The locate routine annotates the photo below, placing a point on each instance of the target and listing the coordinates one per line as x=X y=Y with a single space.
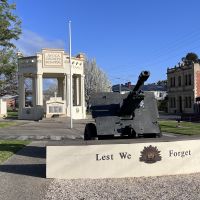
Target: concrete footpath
x=23 y=175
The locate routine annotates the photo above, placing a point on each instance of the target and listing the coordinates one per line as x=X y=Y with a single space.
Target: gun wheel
x=90 y=131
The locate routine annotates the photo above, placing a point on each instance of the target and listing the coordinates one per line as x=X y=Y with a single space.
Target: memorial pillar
x=78 y=91
x=39 y=89
x=65 y=87
x=83 y=94
x=33 y=92
x=61 y=87
x=21 y=92
x=68 y=90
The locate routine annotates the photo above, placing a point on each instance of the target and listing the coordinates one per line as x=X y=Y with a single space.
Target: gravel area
x=166 y=187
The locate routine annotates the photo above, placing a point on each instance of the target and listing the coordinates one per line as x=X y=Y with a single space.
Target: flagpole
x=70 y=65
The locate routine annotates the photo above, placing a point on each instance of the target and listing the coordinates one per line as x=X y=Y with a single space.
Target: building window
x=173 y=102
x=186 y=79
x=188 y=102
x=189 y=79
x=172 y=81
x=179 y=81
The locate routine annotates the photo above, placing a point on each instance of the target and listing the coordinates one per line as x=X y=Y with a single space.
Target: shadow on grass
x=36 y=170
x=11 y=147
x=29 y=151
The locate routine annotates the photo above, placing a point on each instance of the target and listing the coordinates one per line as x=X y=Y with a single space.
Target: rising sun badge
x=150 y=154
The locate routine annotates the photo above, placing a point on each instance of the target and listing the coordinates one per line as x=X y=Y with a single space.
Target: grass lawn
x=9 y=147
x=186 y=128
x=12 y=114
x=7 y=124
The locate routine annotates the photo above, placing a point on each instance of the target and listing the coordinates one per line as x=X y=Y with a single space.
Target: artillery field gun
x=126 y=115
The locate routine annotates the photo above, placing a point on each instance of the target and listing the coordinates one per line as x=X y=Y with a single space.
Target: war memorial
x=52 y=63
x=127 y=117
x=123 y=140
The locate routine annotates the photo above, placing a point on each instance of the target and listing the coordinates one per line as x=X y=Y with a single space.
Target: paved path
x=46 y=129
x=23 y=175
x=53 y=129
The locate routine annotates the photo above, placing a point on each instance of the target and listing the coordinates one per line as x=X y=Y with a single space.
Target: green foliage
x=162 y=82
x=8 y=72
x=9 y=24
x=9 y=30
x=192 y=57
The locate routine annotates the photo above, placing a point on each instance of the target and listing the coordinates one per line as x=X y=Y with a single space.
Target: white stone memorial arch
x=52 y=63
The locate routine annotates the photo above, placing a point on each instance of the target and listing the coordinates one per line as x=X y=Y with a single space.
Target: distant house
x=121 y=88
x=11 y=100
x=160 y=91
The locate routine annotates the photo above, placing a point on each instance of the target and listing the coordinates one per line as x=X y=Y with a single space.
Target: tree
x=192 y=57
x=95 y=79
x=8 y=72
x=9 y=31
x=162 y=82
x=9 y=24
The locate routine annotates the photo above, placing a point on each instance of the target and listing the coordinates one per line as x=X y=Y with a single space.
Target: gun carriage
x=124 y=115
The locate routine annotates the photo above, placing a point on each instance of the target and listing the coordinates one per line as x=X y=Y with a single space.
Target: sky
x=124 y=36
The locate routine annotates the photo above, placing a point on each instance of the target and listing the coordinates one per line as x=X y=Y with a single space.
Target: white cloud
x=30 y=43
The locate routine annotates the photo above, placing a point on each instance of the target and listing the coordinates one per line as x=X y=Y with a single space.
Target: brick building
x=184 y=88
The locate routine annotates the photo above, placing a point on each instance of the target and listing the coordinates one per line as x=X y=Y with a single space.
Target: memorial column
x=78 y=91
x=39 y=89
x=21 y=92
x=83 y=95
x=33 y=92
x=68 y=90
x=60 y=87
x=65 y=88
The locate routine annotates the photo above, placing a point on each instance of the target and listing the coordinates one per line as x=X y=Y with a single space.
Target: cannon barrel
x=131 y=102
x=144 y=75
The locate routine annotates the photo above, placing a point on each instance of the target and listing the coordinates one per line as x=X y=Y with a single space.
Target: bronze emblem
x=150 y=154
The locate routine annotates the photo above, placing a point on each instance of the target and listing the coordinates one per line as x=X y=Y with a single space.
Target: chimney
x=129 y=84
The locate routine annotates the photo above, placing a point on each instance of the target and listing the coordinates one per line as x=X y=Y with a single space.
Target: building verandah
x=52 y=63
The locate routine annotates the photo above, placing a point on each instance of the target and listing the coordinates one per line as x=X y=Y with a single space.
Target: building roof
x=149 y=87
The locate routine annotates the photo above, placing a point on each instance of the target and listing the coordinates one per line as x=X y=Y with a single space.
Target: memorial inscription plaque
x=53 y=59
x=123 y=160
